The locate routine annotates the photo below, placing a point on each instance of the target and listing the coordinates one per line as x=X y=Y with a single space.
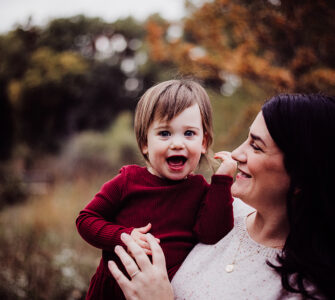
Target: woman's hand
x=149 y=281
x=228 y=165
x=138 y=234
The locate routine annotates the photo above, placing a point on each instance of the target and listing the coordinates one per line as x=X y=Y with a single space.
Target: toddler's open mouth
x=176 y=161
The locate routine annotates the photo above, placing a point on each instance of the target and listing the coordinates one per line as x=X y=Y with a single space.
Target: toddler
x=173 y=125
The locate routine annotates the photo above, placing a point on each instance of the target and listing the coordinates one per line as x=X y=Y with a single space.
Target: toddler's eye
x=164 y=133
x=189 y=133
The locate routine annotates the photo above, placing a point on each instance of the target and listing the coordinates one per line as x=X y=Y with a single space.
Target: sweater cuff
x=222 y=179
x=127 y=230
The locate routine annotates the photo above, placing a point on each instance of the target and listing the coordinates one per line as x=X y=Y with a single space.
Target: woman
x=282 y=245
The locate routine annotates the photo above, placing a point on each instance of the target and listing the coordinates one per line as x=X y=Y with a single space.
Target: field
x=42 y=256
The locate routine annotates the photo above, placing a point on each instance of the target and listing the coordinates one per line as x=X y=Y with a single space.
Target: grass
x=42 y=256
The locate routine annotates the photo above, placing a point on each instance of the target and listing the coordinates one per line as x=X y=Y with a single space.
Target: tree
x=287 y=45
x=74 y=74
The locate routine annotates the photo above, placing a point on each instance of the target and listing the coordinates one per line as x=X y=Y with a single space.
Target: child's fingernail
x=117 y=248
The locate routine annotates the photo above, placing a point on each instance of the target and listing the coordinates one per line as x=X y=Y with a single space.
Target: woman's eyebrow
x=257 y=138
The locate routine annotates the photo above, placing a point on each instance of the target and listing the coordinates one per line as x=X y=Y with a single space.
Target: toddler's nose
x=177 y=144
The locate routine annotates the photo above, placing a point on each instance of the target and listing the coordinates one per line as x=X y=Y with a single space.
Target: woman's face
x=262 y=181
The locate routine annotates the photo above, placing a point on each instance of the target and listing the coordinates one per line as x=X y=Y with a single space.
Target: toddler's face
x=174 y=148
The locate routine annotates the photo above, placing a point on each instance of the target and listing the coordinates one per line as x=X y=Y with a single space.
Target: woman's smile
x=241 y=175
x=261 y=177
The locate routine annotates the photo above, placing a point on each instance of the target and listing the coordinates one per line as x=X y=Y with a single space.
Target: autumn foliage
x=287 y=45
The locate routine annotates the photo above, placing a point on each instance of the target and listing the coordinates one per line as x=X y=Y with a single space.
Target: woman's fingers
x=158 y=257
x=136 y=251
x=121 y=279
x=143 y=244
x=144 y=238
x=117 y=274
x=146 y=248
x=149 y=281
x=126 y=260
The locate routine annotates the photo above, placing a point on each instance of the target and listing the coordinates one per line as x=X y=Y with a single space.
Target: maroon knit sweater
x=182 y=213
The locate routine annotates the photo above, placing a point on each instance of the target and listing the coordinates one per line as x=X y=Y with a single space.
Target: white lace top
x=203 y=274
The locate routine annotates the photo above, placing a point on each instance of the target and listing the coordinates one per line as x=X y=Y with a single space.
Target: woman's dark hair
x=303 y=127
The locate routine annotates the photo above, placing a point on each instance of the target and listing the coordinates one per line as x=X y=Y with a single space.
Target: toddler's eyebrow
x=192 y=128
x=160 y=127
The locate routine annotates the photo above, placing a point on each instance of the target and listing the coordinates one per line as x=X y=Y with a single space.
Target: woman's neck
x=270 y=230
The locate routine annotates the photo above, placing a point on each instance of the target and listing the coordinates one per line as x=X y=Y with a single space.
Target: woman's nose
x=239 y=154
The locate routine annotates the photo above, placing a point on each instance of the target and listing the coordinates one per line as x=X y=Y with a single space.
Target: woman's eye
x=255 y=147
x=189 y=133
x=164 y=133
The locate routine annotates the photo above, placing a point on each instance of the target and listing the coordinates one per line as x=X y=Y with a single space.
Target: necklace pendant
x=229 y=268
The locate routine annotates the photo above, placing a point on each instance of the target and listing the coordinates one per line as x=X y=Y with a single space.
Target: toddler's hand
x=228 y=166
x=138 y=234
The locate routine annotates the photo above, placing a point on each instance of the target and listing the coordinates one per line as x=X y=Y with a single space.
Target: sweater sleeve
x=94 y=222
x=215 y=217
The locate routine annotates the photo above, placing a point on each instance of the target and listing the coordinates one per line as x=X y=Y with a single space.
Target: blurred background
x=71 y=74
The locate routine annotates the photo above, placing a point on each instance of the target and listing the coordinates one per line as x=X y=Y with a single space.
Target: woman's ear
x=204 y=144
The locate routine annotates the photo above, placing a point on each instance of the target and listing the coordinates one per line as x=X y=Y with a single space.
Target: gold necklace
x=230 y=267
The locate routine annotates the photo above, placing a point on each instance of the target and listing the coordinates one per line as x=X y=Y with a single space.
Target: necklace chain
x=230 y=267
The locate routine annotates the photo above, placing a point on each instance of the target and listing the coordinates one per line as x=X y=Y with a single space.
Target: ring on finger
x=135 y=273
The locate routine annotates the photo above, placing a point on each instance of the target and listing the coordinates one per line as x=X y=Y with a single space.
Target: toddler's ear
x=204 y=144
x=145 y=150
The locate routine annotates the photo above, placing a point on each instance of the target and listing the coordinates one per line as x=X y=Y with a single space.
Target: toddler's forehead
x=163 y=118
x=166 y=113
